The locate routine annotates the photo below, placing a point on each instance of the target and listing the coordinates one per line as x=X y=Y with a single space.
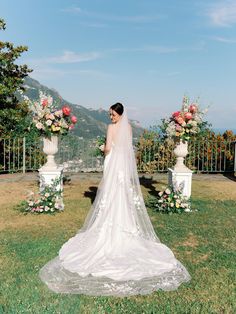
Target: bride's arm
x=108 y=140
x=130 y=128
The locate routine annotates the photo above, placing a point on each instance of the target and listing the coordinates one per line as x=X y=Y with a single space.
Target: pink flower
x=50 y=116
x=176 y=114
x=71 y=126
x=193 y=108
x=66 y=110
x=178 y=127
x=73 y=119
x=180 y=120
x=44 y=102
x=188 y=115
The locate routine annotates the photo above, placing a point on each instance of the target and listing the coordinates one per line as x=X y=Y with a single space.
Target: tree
x=13 y=108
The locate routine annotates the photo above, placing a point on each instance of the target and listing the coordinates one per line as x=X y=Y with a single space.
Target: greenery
x=203 y=241
x=101 y=140
x=48 y=200
x=13 y=112
x=170 y=200
x=209 y=151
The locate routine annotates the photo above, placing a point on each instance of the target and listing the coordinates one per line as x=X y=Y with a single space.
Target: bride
x=116 y=252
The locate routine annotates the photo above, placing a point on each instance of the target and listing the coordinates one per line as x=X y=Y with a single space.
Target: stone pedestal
x=47 y=176
x=184 y=177
x=50 y=148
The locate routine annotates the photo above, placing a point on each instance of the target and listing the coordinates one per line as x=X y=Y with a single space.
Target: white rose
x=49 y=122
x=39 y=125
x=167 y=191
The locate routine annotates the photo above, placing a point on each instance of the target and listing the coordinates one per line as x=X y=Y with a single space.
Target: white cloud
x=133 y=19
x=225 y=40
x=114 y=18
x=174 y=73
x=155 y=49
x=223 y=13
x=94 y=25
x=72 y=10
x=66 y=58
x=72 y=57
x=47 y=72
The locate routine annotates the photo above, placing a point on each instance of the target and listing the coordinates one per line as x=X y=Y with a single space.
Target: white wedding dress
x=117 y=251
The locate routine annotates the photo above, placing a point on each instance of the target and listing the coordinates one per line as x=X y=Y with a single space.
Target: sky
x=146 y=54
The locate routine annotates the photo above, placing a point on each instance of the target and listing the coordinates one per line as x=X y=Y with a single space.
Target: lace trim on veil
x=59 y=280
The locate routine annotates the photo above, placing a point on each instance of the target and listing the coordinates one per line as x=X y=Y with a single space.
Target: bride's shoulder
x=110 y=129
x=110 y=126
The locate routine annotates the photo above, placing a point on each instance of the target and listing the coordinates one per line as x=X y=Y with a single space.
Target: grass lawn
x=204 y=241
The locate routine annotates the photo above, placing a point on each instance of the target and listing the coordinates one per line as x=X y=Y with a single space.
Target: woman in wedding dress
x=116 y=252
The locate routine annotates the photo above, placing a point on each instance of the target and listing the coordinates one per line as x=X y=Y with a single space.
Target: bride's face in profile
x=114 y=116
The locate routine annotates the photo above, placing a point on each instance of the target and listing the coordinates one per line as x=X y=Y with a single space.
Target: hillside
x=91 y=122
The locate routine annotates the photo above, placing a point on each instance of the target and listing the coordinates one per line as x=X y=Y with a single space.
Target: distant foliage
x=207 y=152
x=212 y=151
x=13 y=112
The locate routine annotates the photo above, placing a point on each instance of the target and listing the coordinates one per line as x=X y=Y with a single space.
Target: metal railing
x=79 y=155
x=20 y=155
x=213 y=156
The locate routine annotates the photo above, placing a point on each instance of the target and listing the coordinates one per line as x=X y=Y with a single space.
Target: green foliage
x=208 y=151
x=146 y=150
x=169 y=201
x=101 y=140
x=48 y=200
x=13 y=112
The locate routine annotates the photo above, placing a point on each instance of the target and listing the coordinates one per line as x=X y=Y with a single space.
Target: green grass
x=202 y=241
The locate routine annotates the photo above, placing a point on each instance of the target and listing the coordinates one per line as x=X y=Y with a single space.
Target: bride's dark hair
x=118 y=107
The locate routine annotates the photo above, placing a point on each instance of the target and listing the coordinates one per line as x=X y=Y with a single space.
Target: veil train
x=117 y=251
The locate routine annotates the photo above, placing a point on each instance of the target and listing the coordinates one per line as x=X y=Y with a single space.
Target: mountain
x=91 y=122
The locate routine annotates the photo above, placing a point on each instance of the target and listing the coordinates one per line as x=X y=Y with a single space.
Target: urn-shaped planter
x=181 y=151
x=50 y=148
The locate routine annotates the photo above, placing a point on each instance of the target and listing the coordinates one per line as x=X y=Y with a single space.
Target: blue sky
x=144 y=53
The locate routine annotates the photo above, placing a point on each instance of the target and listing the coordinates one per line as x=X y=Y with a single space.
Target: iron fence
x=213 y=156
x=79 y=155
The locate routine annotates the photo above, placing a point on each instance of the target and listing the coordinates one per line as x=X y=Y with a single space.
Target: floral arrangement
x=49 y=120
x=48 y=200
x=184 y=123
x=171 y=200
x=100 y=142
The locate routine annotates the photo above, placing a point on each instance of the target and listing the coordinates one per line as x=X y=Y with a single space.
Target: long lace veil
x=127 y=241
x=121 y=169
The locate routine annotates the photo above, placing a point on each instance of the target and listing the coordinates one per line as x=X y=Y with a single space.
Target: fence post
x=23 y=155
